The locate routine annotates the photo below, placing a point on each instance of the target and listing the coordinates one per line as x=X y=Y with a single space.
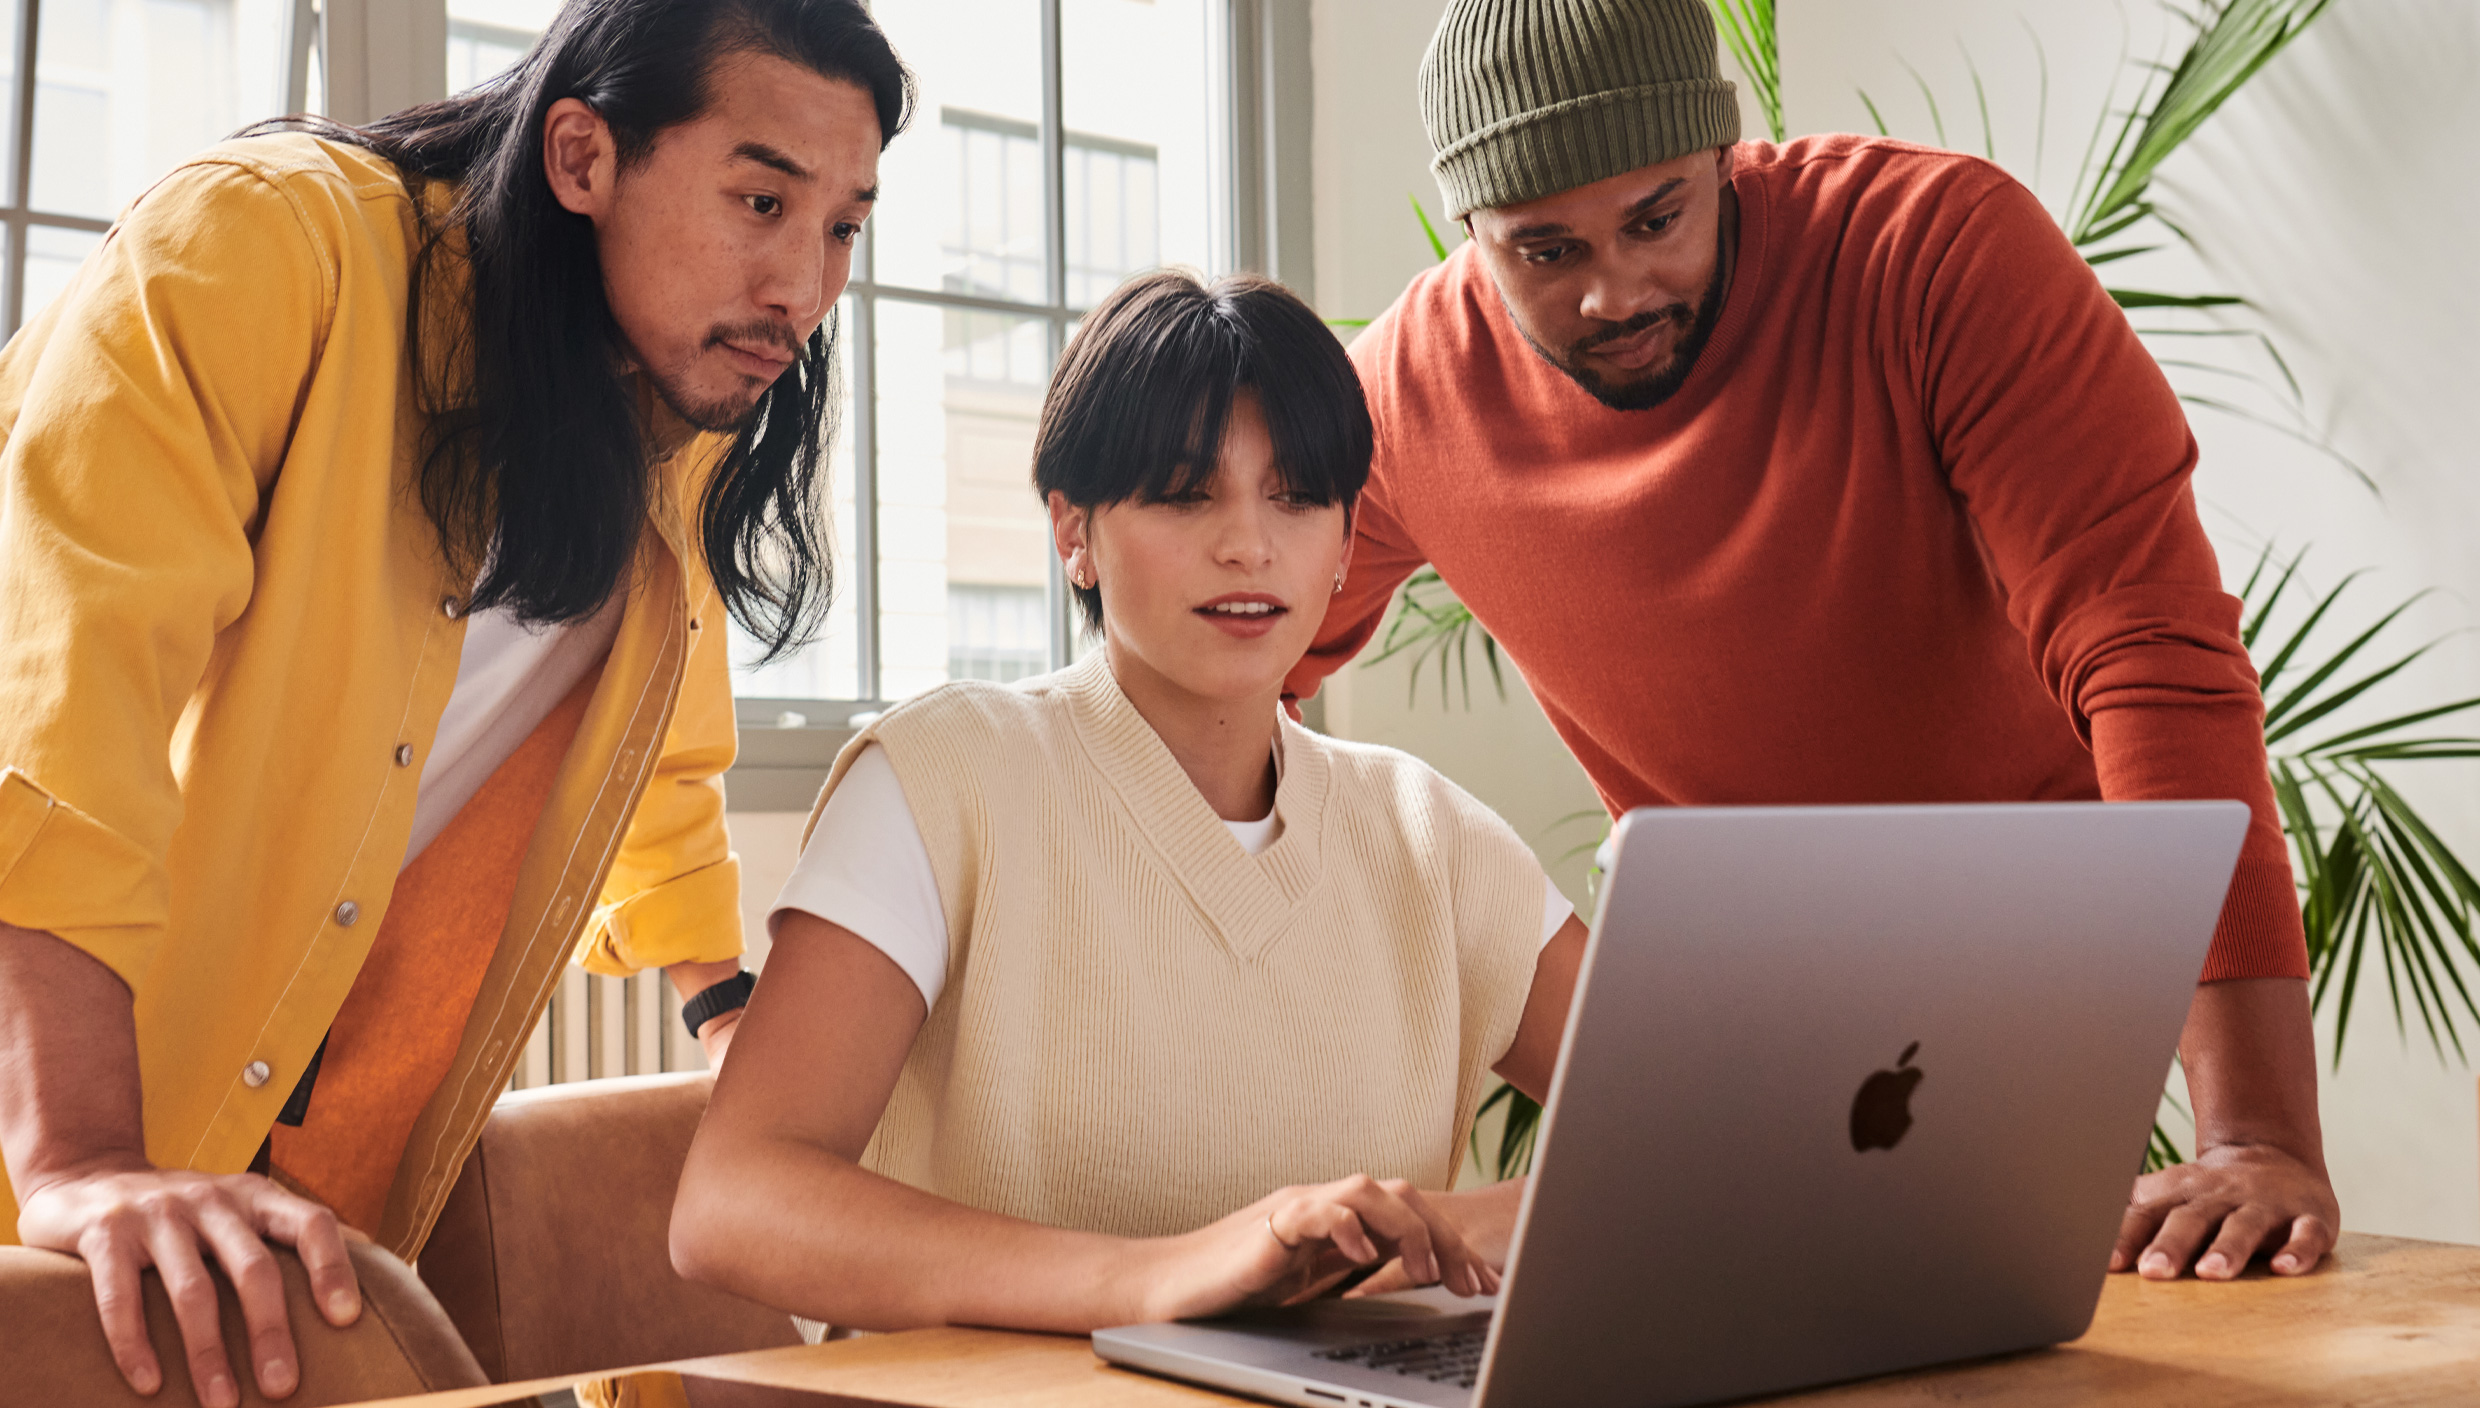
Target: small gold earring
x=1078 y=577
x=1338 y=586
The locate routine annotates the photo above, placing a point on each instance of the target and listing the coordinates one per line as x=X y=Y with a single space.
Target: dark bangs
x=1137 y=408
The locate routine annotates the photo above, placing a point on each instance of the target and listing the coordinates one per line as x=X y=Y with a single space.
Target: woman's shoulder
x=1415 y=797
x=973 y=723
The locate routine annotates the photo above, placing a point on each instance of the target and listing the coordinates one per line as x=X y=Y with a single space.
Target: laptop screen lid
x=1851 y=1090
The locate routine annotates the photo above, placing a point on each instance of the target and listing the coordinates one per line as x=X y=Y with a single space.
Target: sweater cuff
x=2260 y=934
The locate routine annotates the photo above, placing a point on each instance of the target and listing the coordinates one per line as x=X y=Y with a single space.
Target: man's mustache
x=757 y=330
x=1679 y=313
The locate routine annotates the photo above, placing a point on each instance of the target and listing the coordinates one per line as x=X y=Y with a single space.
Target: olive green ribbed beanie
x=1527 y=98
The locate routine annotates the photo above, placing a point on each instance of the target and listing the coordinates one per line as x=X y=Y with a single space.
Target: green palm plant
x=2110 y=215
x=2378 y=890
x=1747 y=29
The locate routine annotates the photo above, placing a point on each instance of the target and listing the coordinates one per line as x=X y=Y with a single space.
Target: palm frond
x=2264 y=344
x=1980 y=95
x=2162 y=1152
x=2234 y=39
x=2134 y=298
x=2381 y=895
x=2040 y=118
x=2164 y=1149
x=1937 y=121
x=1432 y=626
x=2309 y=438
x=2088 y=169
x=1437 y=245
x=1514 y=1157
x=2261 y=608
x=1748 y=31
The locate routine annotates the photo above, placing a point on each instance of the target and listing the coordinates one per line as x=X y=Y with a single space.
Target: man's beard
x=1645 y=392
x=729 y=412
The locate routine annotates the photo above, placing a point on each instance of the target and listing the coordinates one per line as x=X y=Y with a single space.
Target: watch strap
x=730 y=994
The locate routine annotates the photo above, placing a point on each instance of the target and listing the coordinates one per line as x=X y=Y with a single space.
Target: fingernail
x=145 y=1378
x=2286 y=1262
x=2155 y=1261
x=339 y=1304
x=274 y=1377
x=2212 y=1265
x=220 y=1393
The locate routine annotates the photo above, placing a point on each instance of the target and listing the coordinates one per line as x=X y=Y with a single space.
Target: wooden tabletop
x=2385 y=1321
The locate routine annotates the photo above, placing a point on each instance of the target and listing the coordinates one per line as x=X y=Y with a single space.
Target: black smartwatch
x=729 y=995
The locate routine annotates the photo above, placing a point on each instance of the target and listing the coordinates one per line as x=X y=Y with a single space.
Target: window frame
x=18 y=213
x=1258 y=58
x=375 y=56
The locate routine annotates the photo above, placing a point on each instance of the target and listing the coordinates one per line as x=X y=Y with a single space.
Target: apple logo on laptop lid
x=1881 y=1114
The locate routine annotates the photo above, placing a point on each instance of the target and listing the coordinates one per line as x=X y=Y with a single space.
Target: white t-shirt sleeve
x=866 y=868
x=1554 y=910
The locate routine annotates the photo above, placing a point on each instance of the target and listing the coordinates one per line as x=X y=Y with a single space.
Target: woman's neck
x=1225 y=746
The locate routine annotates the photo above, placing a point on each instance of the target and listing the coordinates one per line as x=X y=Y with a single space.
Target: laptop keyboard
x=1442 y=1359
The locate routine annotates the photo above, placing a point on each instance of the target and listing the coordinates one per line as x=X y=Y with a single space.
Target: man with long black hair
x=371 y=506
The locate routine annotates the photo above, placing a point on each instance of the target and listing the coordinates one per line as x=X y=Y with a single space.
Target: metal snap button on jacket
x=347 y=912
x=254 y=1074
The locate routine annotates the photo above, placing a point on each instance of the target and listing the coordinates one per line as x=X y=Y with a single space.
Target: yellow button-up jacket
x=226 y=637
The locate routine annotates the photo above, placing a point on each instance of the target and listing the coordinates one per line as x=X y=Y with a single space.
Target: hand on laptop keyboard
x=1485 y=1216
x=1296 y=1243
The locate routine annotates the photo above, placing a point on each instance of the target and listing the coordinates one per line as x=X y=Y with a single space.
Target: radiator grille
x=596 y=1026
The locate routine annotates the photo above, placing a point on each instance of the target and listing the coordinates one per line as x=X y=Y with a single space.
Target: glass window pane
x=960 y=203
x=125 y=89
x=13 y=14
x=52 y=259
x=487 y=37
x=830 y=667
x=964 y=546
x=1134 y=99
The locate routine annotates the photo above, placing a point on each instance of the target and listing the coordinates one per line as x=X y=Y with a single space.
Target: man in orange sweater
x=1827 y=473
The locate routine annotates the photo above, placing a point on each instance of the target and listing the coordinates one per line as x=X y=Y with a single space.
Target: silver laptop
x=1845 y=1090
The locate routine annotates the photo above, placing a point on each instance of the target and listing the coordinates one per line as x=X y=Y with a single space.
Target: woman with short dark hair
x=1115 y=995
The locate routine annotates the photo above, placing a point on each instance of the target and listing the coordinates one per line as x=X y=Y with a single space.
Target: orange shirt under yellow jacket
x=226 y=637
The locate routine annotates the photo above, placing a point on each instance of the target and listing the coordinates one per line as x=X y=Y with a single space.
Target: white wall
x=1368 y=157
x=2334 y=193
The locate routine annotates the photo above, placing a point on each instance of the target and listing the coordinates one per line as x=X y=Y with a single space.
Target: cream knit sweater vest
x=1143 y=1026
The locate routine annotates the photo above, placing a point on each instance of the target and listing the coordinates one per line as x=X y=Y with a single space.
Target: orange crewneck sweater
x=1917 y=528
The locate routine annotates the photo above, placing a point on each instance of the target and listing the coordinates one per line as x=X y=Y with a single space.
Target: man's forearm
x=2249 y=1052
x=690 y=979
x=69 y=1094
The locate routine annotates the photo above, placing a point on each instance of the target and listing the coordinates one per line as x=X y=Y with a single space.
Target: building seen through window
x=959 y=304
x=996 y=365
x=959 y=308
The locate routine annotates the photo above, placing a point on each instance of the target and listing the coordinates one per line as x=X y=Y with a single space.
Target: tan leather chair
x=553 y=1254
x=52 y=1350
